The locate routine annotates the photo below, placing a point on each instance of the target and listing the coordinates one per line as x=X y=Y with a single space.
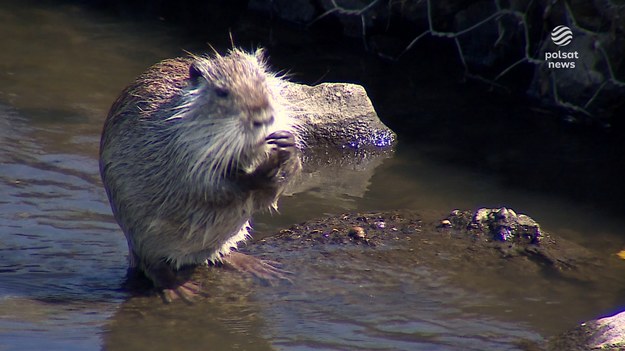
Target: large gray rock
x=600 y=334
x=343 y=139
x=338 y=116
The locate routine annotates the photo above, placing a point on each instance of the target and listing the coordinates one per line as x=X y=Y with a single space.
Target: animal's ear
x=194 y=71
x=261 y=55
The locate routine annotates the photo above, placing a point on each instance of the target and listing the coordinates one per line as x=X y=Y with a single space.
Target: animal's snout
x=261 y=118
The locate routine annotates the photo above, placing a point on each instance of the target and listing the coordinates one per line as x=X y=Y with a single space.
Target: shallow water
x=62 y=256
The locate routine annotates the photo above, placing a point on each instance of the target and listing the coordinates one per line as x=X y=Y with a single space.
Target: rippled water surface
x=63 y=257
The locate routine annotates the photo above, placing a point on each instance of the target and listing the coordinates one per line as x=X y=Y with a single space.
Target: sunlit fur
x=172 y=146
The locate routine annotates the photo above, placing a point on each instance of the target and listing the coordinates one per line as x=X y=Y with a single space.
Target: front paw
x=283 y=143
x=277 y=165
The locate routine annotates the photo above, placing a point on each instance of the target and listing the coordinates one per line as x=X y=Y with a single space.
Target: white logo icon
x=561 y=35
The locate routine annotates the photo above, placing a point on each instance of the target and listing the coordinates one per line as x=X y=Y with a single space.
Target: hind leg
x=172 y=284
x=262 y=269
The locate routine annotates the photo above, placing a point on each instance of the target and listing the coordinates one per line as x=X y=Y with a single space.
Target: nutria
x=189 y=152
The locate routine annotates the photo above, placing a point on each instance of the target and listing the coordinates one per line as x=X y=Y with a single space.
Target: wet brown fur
x=178 y=149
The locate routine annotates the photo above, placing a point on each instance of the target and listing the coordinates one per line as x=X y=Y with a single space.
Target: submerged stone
x=501 y=224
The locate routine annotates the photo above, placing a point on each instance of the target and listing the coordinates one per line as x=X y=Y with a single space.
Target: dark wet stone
x=370 y=229
x=498 y=224
x=480 y=237
x=511 y=233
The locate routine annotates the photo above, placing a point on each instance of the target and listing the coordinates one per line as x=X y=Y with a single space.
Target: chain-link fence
x=498 y=39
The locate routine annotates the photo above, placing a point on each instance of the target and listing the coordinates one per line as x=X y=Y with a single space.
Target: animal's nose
x=260 y=120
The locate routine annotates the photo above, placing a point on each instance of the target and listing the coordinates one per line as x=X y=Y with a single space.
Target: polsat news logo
x=561 y=36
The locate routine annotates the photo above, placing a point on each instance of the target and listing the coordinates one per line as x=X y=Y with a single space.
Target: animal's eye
x=222 y=92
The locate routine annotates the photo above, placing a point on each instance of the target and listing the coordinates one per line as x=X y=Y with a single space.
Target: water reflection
x=60 y=265
x=388 y=298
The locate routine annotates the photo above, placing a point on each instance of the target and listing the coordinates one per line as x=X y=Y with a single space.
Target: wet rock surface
x=363 y=229
x=485 y=234
x=337 y=116
x=510 y=233
x=601 y=334
x=500 y=224
x=343 y=139
x=478 y=250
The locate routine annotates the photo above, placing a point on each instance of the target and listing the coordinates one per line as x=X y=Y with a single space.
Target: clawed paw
x=281 y=138
x=173 y=284
x=185 y=292
x=284 y=143
x=262 y=269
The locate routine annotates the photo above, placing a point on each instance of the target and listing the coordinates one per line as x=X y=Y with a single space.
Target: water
x=62 y=256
